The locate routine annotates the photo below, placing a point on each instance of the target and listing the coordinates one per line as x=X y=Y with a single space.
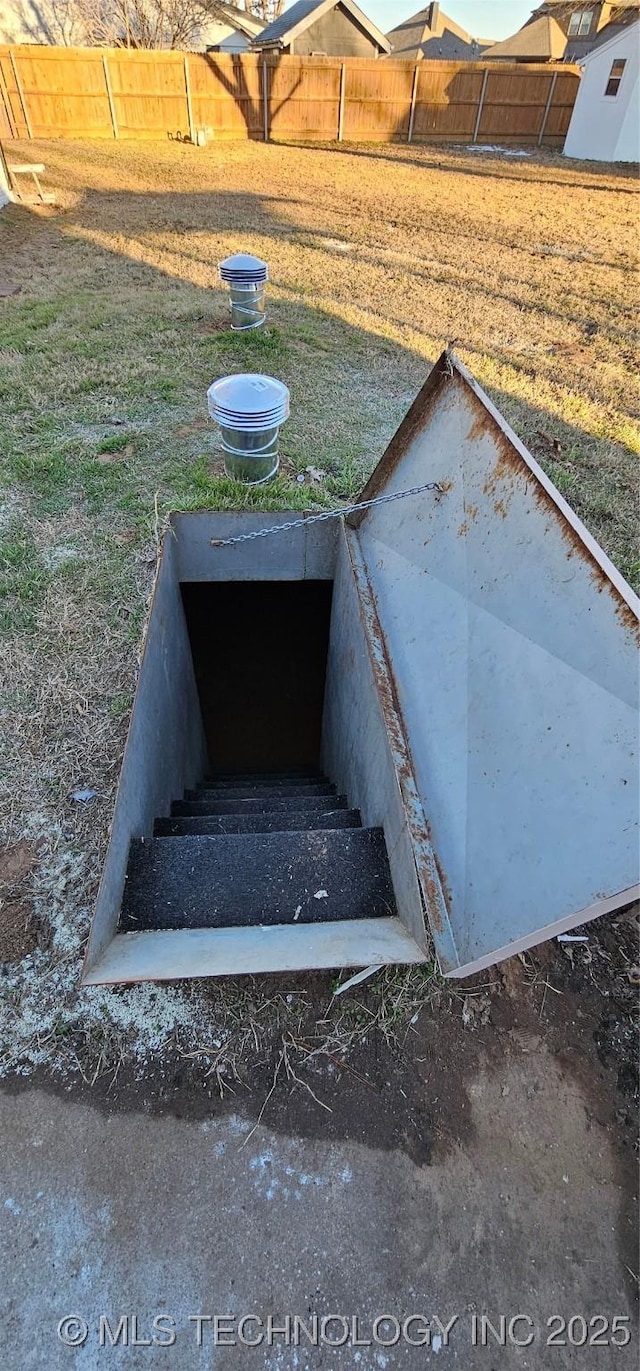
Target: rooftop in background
x=241 y=19
x=566 y=30
x=325 y=27
x=542 y=40
x=432 y=35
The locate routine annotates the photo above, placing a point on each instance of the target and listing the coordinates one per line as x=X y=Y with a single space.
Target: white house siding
x=4 y=188
x=628 y=149
x=38 y=21
x=222 y=36
x=605 y=128
x=236 y=42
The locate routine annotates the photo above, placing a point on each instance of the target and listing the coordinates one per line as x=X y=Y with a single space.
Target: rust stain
x=509 y=465
x=392 y=715
x=483 y=423
x=463 y=530
x=628 y=619
x=576 y=547
x=432 y=893
x=412 y=426
x=446 y=888
x=471 y=512
x=509 y=462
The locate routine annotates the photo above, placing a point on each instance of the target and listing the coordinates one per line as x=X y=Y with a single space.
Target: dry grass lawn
x=379 y=257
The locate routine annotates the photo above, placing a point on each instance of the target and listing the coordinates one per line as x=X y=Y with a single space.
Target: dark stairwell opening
x=263 y=838
x=260 y=657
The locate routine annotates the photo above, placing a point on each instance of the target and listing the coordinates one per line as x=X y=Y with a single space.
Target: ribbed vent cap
x=243 y=269
x=248 y=402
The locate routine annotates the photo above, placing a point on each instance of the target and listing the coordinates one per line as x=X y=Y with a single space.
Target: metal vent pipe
x=246 y=278
x=249 y=411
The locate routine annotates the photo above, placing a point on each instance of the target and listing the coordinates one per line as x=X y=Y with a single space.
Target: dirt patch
x=395 y=1071
x=219 y=324
x=18 y=931
x=196 y=426
x=16 y=863
x=18 y=925
x=115 y=455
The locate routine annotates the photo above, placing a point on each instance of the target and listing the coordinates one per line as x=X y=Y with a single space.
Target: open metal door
x=512 y=641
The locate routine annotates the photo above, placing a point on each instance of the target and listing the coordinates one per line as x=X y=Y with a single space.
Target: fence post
x=343 y=79
x=187 y=86
x=412 y=112
x=552 y=91
x=112 y=108
x=20 y=93
x=265 y=98
x=481 y=104
x=6 y=104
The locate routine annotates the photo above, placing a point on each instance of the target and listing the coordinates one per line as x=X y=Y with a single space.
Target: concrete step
x=242 y=880
x=274 y=778
x=255 y=792
x=257 y=805
x=282 y=821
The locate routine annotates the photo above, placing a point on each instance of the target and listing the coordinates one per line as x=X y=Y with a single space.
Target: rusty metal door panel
x=513 y=645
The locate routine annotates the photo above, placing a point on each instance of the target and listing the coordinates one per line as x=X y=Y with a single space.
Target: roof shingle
x=287 y=21
x=541 y=39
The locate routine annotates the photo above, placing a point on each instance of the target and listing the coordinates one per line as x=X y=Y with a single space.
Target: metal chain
x=328 y=514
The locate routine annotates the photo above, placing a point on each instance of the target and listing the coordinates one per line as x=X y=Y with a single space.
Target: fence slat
x=552 y=91
x=107 y=82
x=265 y=98
x=20 y=93
x=7 y=125
x=187 y=87
x=412 y=111
x=133 y=93
x=480 y=105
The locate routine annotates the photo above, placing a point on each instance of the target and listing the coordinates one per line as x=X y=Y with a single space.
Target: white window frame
x=621 y=62
x=577 y=27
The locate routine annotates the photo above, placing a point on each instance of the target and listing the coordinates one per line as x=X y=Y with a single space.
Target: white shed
x=5 y=193
x=605 y=124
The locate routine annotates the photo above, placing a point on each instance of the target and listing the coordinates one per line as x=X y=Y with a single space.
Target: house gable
x=335 y=23
x=335 y=34
x=431 y=34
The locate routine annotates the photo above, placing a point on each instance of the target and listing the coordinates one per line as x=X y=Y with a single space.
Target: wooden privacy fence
x=114 y=92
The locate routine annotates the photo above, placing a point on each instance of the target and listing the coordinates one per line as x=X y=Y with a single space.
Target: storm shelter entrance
x=259 y=652
x=347 y=740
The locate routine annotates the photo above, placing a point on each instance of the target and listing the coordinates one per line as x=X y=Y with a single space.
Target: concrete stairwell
x=257 y=849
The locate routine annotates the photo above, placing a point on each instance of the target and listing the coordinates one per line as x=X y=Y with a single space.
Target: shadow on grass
x=489 y=166
x=104 y=395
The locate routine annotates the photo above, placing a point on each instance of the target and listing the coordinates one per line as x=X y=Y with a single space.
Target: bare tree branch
x=265 y=9
x=131 y=23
